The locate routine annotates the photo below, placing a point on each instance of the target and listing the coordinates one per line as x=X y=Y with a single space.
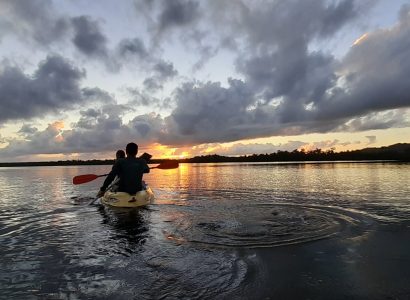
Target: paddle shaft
x=80 y=179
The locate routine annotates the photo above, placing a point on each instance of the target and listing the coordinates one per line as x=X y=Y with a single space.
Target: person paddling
x=114 y=185
x=119 y=154
x=129 y=170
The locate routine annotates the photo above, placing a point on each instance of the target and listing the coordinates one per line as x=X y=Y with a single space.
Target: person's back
x=130 y=171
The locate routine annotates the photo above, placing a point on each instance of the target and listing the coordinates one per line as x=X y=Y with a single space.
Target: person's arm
x=109 y=179
x=146 y=168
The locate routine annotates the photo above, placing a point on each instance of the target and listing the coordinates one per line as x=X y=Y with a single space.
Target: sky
x=80 y=79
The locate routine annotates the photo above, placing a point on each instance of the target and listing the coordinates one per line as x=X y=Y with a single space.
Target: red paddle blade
x=84 y=178
x=168 y=164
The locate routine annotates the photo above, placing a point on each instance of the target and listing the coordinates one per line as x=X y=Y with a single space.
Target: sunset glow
x=360 y=39
x=76 y=84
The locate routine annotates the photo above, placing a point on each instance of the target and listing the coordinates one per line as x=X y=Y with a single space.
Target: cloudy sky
x=80 y=78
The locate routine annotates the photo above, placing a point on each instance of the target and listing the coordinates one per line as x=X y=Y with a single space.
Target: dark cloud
x=38 y=21
x=336 y=15
x=106 y=116
x=374 y=74
x=209 y=112
x=206 y=53
x=132 y=47
x=96 y=95
x=34 y=20
x=27 y=130
x=289 y=89
x=88 y=37
x=177 y=13
x=142 y=98
x=285 y=87
x=151 y=84
x=91 y=112
x=55 y=85
x=377 y=120
x=40 y=142
x=165 y=70
x=278 y=61
x=133 y=52
x=97 y=131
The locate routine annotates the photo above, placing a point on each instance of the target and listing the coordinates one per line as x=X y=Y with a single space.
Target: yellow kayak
x=121 y=199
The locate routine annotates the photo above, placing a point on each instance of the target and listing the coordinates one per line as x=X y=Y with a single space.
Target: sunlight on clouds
x=226 y=78
x=161 y=151
x=58 y=126
x=360 y=39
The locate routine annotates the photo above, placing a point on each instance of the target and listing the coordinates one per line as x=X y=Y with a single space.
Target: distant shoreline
x=393 y=153
x=85 y=163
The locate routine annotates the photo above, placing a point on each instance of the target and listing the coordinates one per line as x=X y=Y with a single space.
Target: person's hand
x=146 y=156
x=100 y=193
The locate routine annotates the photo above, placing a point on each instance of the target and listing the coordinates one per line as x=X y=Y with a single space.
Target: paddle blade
x=80 y=179
x=168 y=164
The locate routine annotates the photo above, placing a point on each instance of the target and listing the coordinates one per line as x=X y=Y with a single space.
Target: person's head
x=120 y=154
x=131 y=149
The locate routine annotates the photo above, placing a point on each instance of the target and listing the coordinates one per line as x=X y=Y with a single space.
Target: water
x=215 y=231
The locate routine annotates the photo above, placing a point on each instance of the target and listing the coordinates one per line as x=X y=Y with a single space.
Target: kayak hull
x=121 y=199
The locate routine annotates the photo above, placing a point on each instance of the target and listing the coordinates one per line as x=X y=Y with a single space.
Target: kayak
x=121 y=199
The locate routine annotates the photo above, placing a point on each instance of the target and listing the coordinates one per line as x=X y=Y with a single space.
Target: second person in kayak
x=129 y=170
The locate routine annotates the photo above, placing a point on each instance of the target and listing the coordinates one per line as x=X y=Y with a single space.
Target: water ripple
x=259 y=225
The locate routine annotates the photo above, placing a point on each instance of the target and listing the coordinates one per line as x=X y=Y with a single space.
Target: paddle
x=80 y=179
x=165 y=165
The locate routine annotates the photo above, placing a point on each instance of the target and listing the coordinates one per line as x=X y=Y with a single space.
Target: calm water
x=215 y=231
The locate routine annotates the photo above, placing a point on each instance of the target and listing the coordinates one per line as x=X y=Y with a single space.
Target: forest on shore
x=396 y=152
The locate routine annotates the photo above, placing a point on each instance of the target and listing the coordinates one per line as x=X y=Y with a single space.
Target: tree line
x=397 y=152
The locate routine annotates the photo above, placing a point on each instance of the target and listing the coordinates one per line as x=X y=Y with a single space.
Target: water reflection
x=199 y=238
x=129 y=228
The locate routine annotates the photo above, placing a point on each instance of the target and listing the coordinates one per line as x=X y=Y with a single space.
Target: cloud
x=98 y=130
x=132 y=48
x=208 y=112
x=27 y=130
x=378 y=120
x=374 y=75
x=289 y=89
x=177 y=13
x=151 y=84
x=39 y=22
x=97 y=95
x=281 y=85
x=164 y=71
x=371 y=139
x=88 y=37
x=55 y=85
x=90 y=40
x=3 y=140
x=39 y=142
x=248 y=149
x=143 y=98
x=278 y=62
x=34 y=20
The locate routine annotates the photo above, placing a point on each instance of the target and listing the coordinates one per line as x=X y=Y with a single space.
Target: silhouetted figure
x=119 y=154
x=114 y=185
x=129 y=170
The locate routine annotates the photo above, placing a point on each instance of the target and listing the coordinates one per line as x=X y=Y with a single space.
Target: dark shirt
x=130 y=171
